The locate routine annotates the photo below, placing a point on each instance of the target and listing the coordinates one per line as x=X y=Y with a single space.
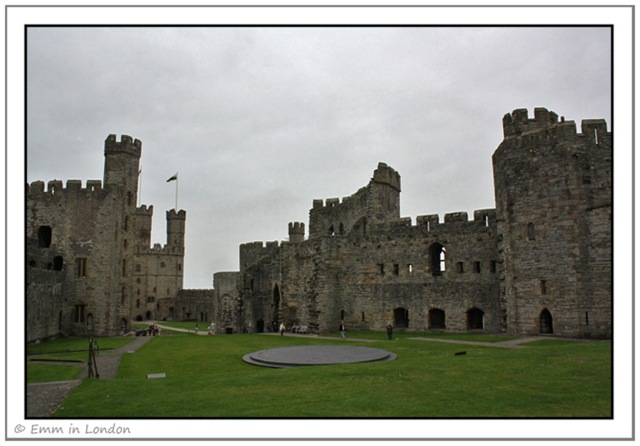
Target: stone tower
x=553 y=204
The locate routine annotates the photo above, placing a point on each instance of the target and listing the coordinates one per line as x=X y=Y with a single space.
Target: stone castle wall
x=540 y=262
x=553 y=198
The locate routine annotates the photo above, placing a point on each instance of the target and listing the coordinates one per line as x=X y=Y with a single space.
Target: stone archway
x=401 y=318
x=546 y=322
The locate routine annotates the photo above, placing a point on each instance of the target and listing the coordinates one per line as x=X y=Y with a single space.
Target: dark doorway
x=546 y=322
x=436 y=319
x=260 y=326
x=475 y=319
x=401 y=318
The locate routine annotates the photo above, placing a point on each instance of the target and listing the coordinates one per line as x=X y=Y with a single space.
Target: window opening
x=586 y=318
x=90 y=322
x=341 y=314
x=44 y=236
x=531 y=230
x=396 y=269
x=58 y=263
x=81 y=267
x=476 y=267
x=341 y=229
x=79 y=313
x=410 y=268
x=543 y=287
x=381 y=269
x=460 y=267
x=493 y=266
x=437 y=255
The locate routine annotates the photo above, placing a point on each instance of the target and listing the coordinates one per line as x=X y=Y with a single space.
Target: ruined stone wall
x=386 y=276
x=379 y=200
x=44 y=293
x=553 y=201
x=83 y=229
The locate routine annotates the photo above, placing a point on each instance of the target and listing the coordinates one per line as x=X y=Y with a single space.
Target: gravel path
x=43 y=399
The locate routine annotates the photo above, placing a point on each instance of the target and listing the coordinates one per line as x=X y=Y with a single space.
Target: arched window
x=90 y=322
x=437 y=259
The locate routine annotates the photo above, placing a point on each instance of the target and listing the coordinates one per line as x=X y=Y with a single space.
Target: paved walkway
x=43 y=399
x=514 y=343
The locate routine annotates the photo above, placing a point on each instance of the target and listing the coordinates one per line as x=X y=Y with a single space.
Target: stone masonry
x=539 y=263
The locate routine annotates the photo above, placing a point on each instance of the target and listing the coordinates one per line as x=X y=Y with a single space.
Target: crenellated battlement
x=296 y=231
x=517 y=123
x=126 y=145
x=454 y=220
x=173 y=215
x=143 y=210
x=56 y=187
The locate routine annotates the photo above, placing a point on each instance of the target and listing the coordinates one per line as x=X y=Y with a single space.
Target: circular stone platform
x=316 y=355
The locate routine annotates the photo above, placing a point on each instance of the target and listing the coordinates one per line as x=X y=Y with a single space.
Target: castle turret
x=122 y=164
x=384 y=200
x=553 y=207
x=296 y=232
x=176 y=230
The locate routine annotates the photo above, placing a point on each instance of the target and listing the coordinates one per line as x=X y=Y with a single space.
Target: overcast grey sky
x=260 y=121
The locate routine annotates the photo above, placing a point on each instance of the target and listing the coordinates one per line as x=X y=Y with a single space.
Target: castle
x=540 y=262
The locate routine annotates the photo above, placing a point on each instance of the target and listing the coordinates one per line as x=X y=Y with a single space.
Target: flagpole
x=177 y=194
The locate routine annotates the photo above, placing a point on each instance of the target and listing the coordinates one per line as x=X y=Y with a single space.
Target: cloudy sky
x=259 y=122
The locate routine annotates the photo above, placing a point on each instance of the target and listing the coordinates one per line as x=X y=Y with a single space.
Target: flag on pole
x=173 y=178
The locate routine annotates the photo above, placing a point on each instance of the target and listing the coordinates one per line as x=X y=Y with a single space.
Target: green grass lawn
x=206 y=377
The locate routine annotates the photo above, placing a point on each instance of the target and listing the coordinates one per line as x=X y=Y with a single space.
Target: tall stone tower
x=553 y=205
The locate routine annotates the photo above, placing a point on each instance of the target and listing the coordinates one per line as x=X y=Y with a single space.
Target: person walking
x=390 y=331
x=282 y=329
x=342 y=328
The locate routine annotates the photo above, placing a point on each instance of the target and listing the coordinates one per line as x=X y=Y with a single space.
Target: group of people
x=342 y=328
x=211 y=329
